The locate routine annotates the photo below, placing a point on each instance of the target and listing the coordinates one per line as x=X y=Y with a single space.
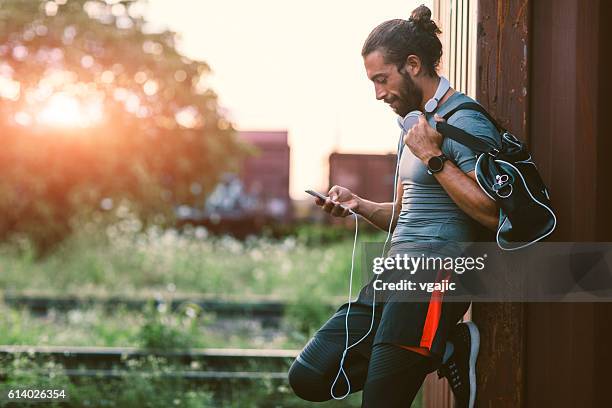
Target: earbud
x=443 y=87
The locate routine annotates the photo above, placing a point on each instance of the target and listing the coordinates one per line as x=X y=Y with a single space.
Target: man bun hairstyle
x=397 y=39
x=421 y=17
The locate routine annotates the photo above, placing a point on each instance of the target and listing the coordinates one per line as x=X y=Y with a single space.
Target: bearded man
x=395 y=344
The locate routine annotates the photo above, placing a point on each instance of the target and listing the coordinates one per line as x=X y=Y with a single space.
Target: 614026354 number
x=33 y=394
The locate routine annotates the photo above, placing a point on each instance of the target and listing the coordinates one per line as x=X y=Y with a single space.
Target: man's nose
x=380 y=91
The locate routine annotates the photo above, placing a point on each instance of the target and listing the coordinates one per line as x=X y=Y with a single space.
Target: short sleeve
x=476 y=124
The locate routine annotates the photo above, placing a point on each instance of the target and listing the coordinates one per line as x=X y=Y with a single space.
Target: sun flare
x=65 y=110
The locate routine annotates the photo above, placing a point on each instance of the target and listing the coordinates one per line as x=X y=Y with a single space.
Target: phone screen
x=316 y=194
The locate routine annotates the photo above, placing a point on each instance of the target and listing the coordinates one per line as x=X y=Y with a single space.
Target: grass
x=122 y=260
x=132 y=389
x=308 y=270
x=146 y=329
x=154 y=328
x=142 y=384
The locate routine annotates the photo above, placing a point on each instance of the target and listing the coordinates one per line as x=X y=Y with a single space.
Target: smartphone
x=317 y=194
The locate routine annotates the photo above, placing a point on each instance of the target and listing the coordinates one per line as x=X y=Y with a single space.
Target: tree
x=95 y=109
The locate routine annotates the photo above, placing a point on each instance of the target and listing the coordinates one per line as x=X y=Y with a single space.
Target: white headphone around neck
x=406 y=122
x=443 y=88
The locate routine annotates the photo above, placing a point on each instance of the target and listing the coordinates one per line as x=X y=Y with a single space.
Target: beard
x=410 y=96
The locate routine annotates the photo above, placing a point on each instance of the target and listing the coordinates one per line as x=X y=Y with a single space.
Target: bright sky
x=293 y=65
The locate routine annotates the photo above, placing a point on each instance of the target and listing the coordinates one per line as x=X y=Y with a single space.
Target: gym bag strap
x=476 y=107
x=463 y=137
x=508 y=175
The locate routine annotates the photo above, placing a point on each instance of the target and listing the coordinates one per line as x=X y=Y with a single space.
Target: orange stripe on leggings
x=434 y=311
x=420 y=350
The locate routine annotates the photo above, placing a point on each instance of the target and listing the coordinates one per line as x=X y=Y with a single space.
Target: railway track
x=269 y=313
x=196 y=365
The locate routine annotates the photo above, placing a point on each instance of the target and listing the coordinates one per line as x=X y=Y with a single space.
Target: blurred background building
x=265 y=176
x=258 y=194
x=367 y=175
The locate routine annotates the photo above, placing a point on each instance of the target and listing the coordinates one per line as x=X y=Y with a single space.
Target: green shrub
x=308 y=312
x=122 y=260
x=165 y=330
x=141 y=384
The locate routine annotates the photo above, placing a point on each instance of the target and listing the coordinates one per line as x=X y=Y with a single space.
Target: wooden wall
x=503 y=88
x=541 y=70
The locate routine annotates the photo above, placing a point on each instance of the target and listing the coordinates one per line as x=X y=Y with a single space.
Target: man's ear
x=413 y=65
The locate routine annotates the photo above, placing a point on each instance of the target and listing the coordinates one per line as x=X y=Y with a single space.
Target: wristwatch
x=436 y=164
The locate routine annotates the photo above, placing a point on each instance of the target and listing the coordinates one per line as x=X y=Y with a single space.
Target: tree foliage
x=95 y=108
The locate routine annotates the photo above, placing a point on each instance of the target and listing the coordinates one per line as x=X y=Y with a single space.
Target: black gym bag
x=509 y=176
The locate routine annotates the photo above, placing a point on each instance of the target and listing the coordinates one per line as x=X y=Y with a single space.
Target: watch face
x=435 y=164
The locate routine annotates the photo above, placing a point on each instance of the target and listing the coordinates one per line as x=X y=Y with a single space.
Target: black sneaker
x=460 y=368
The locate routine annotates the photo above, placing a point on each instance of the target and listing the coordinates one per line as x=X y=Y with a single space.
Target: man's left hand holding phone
x=338 y=202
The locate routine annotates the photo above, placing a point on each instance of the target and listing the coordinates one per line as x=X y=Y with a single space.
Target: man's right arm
x=341 y=199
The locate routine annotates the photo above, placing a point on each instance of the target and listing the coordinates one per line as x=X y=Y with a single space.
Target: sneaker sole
x=474 y=348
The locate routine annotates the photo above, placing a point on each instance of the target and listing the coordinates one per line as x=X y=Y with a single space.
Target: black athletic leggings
x=390 y=376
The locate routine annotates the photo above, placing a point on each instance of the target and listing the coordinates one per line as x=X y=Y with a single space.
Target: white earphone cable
x=431 y=106
x=347 y=347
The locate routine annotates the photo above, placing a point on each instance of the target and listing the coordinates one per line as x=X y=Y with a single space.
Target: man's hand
x=423 y=140
x=339 y=201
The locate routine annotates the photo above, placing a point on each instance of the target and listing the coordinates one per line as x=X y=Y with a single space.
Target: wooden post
x=541 y=72
x=568 y=345
x=503 y=88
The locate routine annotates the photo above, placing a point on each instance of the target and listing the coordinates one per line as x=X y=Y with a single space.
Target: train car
x=368 y=175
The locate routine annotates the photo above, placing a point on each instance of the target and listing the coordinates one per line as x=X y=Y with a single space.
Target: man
x=407 y=340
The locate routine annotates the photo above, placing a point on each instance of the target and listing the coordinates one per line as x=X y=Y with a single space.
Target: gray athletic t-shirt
x=428 y=213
